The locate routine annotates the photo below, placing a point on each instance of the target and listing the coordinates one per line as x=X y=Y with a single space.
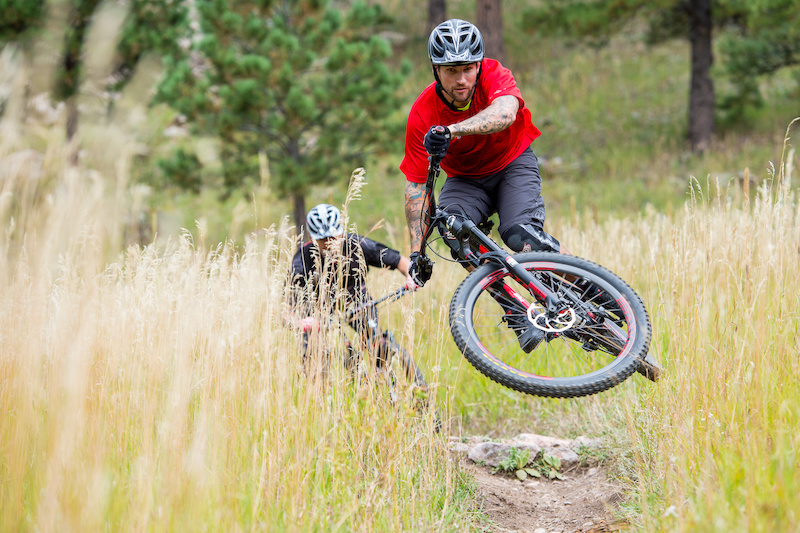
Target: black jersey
x=349 y=268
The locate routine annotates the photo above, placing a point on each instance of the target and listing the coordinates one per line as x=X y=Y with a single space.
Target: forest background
x=147 y=224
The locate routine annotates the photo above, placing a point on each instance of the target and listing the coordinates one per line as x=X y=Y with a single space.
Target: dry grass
x=162 y=391
x=712 y=447
x=157 y=388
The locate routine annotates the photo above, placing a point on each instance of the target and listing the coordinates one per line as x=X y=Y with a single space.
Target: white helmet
x=455 y=42
x=324 y=221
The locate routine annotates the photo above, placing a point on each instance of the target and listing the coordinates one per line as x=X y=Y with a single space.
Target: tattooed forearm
x=497 y=117
x=415 y=198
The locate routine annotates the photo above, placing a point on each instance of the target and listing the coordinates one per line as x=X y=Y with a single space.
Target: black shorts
x=514 y=193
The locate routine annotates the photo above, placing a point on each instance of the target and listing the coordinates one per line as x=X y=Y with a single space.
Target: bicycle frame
x=462 y=229
x=371 y=336
x=374 y=303
x=371 y=330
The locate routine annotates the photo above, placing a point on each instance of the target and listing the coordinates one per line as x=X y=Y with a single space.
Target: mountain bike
x=541 y=323
x=368 y=350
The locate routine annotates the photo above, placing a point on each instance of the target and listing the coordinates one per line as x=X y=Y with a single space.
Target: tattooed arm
x=415 y=197
x=500 y=114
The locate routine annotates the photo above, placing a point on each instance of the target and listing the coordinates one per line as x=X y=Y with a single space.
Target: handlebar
x=402 y=291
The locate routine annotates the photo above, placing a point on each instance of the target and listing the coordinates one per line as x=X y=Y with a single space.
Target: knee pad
x=530 y=238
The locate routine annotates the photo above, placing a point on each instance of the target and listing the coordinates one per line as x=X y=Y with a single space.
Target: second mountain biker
x=329 y=272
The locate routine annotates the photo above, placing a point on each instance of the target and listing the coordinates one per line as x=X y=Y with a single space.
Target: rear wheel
x=403 y=377
x=597 y=339
x=382 y=355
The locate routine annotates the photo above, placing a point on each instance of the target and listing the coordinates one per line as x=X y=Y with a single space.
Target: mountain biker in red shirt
x=473 y=116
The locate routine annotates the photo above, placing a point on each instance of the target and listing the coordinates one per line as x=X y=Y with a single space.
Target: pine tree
x=766 y=39
x=489 y=19
x=69 y=79
x=437 y=13
x=304 y=84
x=758 y=37
x=152 y=26
x=19 y=17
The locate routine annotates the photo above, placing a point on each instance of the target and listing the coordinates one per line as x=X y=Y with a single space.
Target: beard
x=452 y=94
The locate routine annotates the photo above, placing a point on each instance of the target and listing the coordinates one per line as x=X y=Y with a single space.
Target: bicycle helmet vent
x=455 y=42
x=324 y=220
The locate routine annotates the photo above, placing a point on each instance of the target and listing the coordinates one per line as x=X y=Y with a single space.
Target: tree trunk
x=489 y=19
x=701 y=90
x=437 y=13
x=80 y=17
x=299 y=201
x=72 y=128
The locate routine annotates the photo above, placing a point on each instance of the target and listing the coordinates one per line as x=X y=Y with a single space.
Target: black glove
x=420 y=268
x=437 y=140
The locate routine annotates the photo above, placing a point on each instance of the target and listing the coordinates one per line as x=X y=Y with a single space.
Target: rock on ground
x=584 y=501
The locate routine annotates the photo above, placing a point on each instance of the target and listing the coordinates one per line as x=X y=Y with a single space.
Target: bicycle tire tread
x=566 y=387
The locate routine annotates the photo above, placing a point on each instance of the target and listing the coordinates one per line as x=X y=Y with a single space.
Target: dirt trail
x=584 y=501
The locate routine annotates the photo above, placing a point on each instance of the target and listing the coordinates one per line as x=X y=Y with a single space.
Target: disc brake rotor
x=561 y=322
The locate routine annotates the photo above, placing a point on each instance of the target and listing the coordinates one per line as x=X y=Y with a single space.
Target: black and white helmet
x=455 y=42
x=324 y=220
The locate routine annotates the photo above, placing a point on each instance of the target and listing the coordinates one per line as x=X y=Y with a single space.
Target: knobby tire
x=599 y=342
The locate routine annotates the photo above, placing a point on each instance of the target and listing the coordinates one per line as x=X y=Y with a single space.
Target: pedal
x=650 y=368
x=589 y=346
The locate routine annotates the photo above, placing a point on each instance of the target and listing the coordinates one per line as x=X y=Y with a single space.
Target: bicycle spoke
x=550 y=352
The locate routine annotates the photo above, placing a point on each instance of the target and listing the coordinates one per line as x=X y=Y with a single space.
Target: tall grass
x=714 y=444
x=157 y=387
x=162 y=391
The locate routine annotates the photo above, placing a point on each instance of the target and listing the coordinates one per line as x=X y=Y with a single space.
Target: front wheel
x=403 y=375
x=379 y=352
x=596 y=340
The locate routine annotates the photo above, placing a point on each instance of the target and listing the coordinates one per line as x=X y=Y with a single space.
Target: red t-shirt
x=470 y=155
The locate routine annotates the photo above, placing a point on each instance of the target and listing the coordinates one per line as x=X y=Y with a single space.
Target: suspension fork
x=464 y=228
